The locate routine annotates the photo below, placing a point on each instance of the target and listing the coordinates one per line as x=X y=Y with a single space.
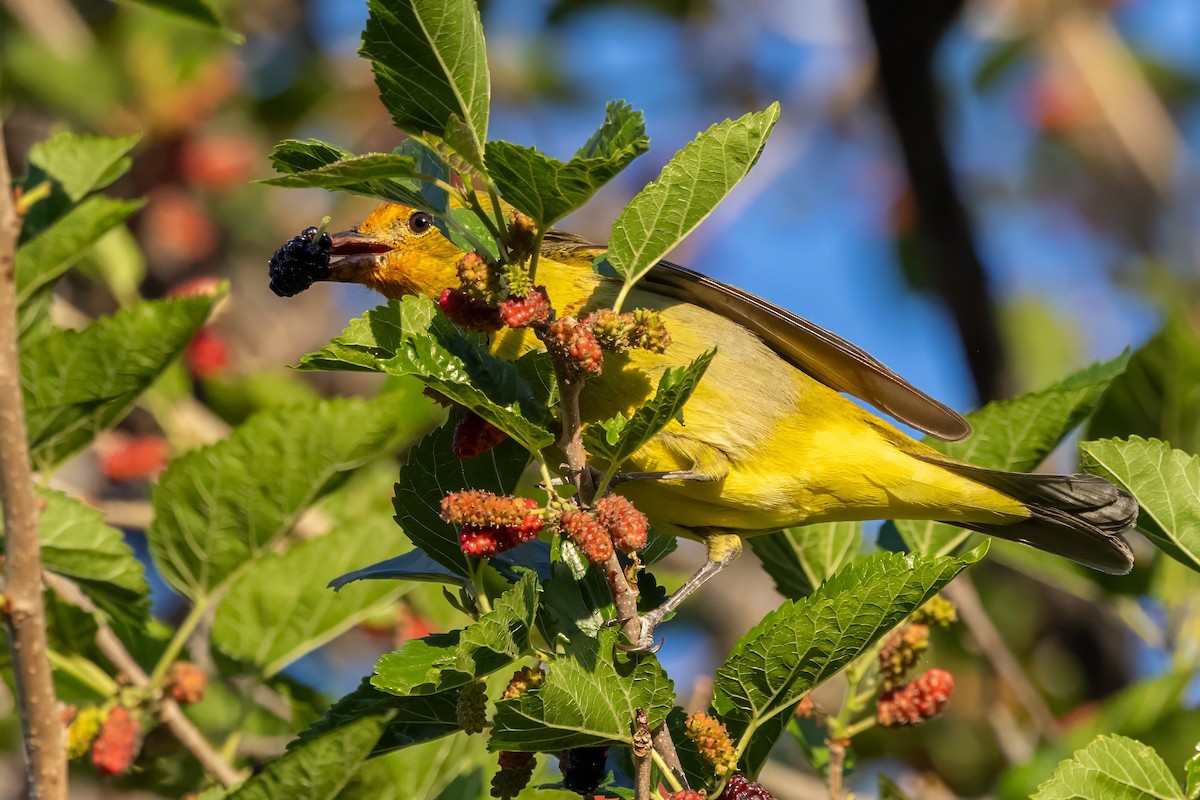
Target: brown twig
x=665 y=746
x=837 y=764
x=25 y=613
x=643 y=746
x=171 y=714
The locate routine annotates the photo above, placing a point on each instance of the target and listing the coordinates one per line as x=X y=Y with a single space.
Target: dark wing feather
x=827 y=357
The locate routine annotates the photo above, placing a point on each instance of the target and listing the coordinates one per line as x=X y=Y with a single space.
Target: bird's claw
x=645 y=640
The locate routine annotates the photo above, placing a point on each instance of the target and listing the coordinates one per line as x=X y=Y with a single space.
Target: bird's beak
x=354 y=254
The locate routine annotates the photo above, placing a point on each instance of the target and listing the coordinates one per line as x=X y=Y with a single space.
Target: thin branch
x=172 y=715
x=837 y=765
x=25 y=613
x=962 y=593
x=668 y=759
x=643 y=748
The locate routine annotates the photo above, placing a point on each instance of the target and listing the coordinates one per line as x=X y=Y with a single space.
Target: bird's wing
x=827 y=357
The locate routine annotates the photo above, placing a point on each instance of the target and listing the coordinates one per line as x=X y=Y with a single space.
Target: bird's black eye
x=420 y=222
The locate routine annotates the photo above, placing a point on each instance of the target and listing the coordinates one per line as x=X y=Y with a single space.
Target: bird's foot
x=645 y=640
x=673 y=475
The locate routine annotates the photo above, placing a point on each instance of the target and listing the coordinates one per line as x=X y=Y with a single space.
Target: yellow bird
x=769 y=440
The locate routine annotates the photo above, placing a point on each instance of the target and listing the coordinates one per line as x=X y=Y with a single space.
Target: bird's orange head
x=396 y=251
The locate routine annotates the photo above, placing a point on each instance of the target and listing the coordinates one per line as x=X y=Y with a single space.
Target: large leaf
x=432 y=472
x=548 y=189
x=81 y=163
x=413 y=720
x=1157 y=395
x=688 y=189
x=617 y=439
x=1166 y=483
x=448 y=661
x=1015 y=435
x=589 y=698
x=76 y=543
x=801 y=559
x=282 y=608
x=431 y=68
x=455 y=766
x=77 y=383
x=219 y=508
x=410 y=338
x=1111 y=768
x=44 y=258
x=353 y=171
x=318 y=768
x=805 y=642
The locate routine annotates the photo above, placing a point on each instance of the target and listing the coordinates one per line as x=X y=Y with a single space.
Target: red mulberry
x=922 y=699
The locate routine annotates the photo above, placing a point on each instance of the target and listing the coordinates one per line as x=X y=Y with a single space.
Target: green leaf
x=801 y=559
x=448 y=661
x=588 y=699
x=319 y=767
x=44 y=258
x=1111 y=768
x=82 y=163
x=888 y=790
x=1157 y=395
x=413 y=720
x=1166 y=483
x=199 y=12
x=620 y=440
x=77 y=383
x=438 y=769
x=281 y=608
x=77 y=544
x=1192 y=769
x=805 y=642
x=410 y=338
x=350 y=172
x=1015 y=435
x=548 y=189
x=302 y=161
x=432 y=472
x=218 y=509
x=688 y=189
x=431 y=68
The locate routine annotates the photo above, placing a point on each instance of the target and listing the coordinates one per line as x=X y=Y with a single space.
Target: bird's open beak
x=353 y=254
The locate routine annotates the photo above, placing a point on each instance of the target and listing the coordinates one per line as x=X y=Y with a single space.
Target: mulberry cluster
x=626 y=525
x=515 y=771
x=491 y=524
x=472 y=707
x=713 y=742
x=523 y=312
x=186 y=683
x=523 y=680
x=938 y=612
x=116 y=742
x=582 y=768
x=641 y=328
x=469 y=313
x=300 y=263
x=924 y=698
x=582 y=528
x=475 y=277
x=806 y=708
x=573 y=342
x=901 y=653
x=739 y=788
x=688 y=794
x=522 y=232
x=474 y=436
x=83 y=730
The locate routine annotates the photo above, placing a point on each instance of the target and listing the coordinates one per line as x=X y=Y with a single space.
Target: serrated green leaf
x=82 y=163
x=410 y=338
x=431 y=68
x=443 y=769
x=318 y=768
x=413 y=719
x=76 y=543
x=804 y=642
x=77 y=383
x=674 y=388
x=322 y=161
x=548 y=189
x=801 y=559
x=688 y=189
x=1166 y=483
x=44 y=258
x=1111 y=768
x=588 y=699
x=1015 y=435
x=448 y=661
x=1192 y=770
x=281 y=608
x=432 y=472
x=350 y=172
x=220 y=508
x=1157 y=394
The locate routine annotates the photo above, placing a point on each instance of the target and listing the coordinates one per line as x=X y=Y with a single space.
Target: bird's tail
x=1080 y=517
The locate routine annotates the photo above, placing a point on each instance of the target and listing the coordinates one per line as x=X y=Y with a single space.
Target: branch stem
x=24 y=610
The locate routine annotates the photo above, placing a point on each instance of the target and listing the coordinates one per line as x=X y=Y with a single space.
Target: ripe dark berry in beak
x=300 y=263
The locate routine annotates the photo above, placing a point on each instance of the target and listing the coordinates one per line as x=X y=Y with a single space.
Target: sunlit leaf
x=801 y=559
x=1111 y=768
